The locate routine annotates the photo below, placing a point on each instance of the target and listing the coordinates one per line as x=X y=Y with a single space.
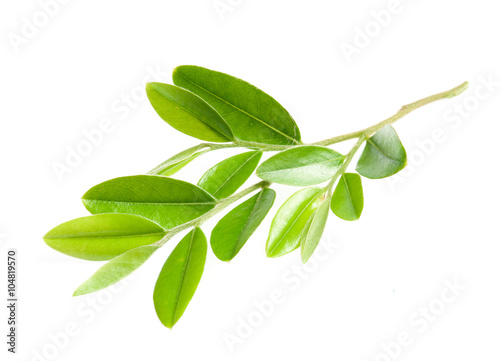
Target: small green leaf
x=253 y=115
x=166 y=201
x=179 y=161
x=313 y=230
x=301 y=166
x=179 y=277
x=347 y=200
x=383 y=156
x=226 y=177
x=116 y=269
x=232 y=231
x=290 y=220
x=188 y=113
x=103 y=236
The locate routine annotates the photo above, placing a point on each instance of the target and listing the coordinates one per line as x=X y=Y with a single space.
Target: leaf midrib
x=383 y=153
x=234 y=173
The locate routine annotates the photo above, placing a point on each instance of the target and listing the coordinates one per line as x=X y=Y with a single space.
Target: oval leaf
x=290 y=220
x=179 y=277
x=166 y=201
x=103 y=236
x=116 y=269
x=253 y=115
x=232 y=231
x=347 y=200
x=226 y=177
x=313 y=230
x=301 y=166
x=383 y=156
x=179 y=161
x=188 y=113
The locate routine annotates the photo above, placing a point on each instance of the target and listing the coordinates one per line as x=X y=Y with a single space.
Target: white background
x=438 y=221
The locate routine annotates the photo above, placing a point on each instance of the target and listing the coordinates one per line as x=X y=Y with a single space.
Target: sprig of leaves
x=134 y=216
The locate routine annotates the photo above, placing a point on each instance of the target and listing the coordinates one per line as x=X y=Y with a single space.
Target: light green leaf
x=290 y=220
x=383 y=156
x=253 y=115
x=166 y=201
x=226 y=177
x=188 y=113
x=313 y=230
x=103 y=236
x=179 y=277
x=116 y=269
x=347 y=200
x=301 y=166
x=179 y=161
x=232 y=231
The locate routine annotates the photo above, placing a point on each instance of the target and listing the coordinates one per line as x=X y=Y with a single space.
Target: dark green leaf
x=116 y=269
x=347 y=200
x=290 y=220
x=252 y=114
x=188 y=113
x=103 y=236
x=179 y=161
x=313 y=230
x=301 y=166
x=179 y=277
x=226 y=177
x=383 y=156
x=232 y=231
x=166 y=201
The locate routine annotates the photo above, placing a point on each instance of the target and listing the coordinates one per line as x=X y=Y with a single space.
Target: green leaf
x=179 y=277
x=226 y=177
x=347 y=200
x=188 y=113
x=313 y=230
x=179 y=161
x=253 y=115
x=166 y=201
x=301 y=166
x=116 y=269
x=290 y=220
x=232 y=231
x=383 y=156
x=103 y=236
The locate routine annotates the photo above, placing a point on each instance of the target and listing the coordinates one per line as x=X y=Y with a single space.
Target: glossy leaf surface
x=179 y=277
x=236 y=227
x=313 y=230
x=290 y=220
x=179 y=161
x=383 y=156
x=226 y=177
x=103 y=236
x=166 y=201
x=116 y=269
x=188 y=113
x=253 y=115
x=301 y=166
x=347 y=200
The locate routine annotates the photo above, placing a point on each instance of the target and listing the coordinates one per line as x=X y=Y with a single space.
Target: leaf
x=253 y=115
x=226 y=177
x=103 y=236
x=232 y=231
x=290 y=220
x=313 y=230
x=166 y=201
x=116 y=269
x=188 y=113
x=179 y=161
x=347 y=200
x=383 y=156
x=179 y=277
x=301 y=166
